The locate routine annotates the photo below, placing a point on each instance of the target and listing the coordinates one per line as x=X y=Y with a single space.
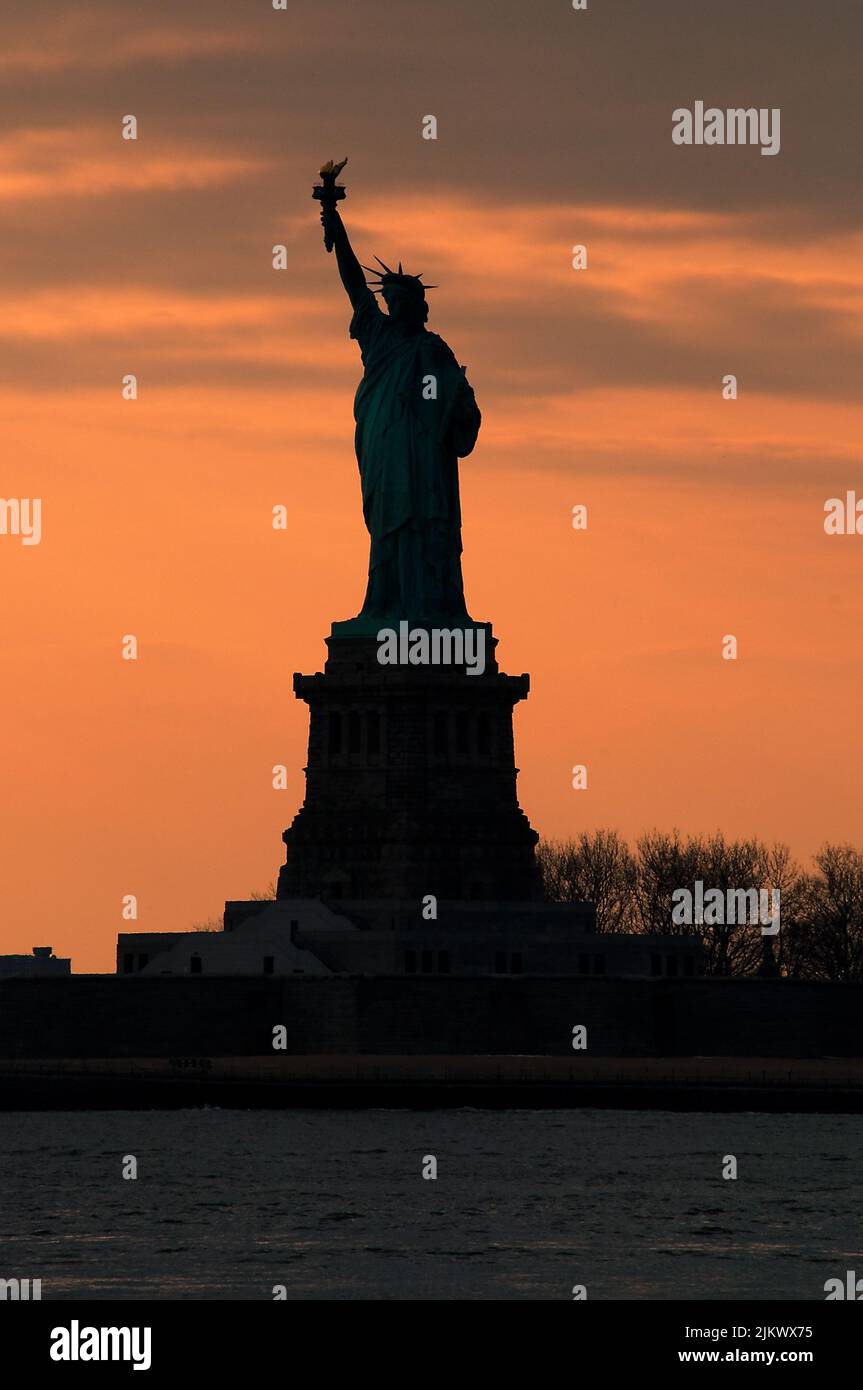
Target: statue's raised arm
x=353 y=276
x=328 y=193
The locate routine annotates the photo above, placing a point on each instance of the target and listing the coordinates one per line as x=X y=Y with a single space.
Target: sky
x=600 y=387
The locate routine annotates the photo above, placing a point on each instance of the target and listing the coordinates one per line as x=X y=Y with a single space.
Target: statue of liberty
x=416 y=416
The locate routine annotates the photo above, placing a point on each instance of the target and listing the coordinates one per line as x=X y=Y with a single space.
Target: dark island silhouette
x=417 y=944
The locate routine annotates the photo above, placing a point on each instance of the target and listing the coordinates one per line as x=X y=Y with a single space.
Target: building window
x=441 y=733
x=584 y=965
x=143 y=959
x=410 y=962
x=515 y=963
x=335 y=735
x=656 y=965
x=483 y=733
x=671 y=965
x=128 y=963
x=195 y=965
x=373 y=732
x=500 y=963
x=599 y=965
x=269 y=965
x=443 y=962
x=428 y=962
x=355 y=738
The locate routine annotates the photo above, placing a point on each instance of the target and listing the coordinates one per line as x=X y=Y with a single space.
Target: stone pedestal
x=410 y=783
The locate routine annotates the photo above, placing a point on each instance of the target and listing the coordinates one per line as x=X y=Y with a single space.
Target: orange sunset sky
x=601 y=387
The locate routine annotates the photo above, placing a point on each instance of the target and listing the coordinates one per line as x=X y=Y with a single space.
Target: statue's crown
x=395 y=277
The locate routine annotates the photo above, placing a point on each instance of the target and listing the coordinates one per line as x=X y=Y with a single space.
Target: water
x=332 y=1204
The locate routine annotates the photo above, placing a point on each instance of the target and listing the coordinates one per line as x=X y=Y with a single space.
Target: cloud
x=534 y=102
x=96 y=40
x=179 y=284
x=91 y=163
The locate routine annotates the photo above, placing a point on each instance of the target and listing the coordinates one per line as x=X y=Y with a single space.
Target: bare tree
x=734 y=947
x=791 y=944
x=211 y=924
x=833 y=947
x=268 y=894
x=821 y=913
x=667 y=863
x=596 y=868
x=664 y=863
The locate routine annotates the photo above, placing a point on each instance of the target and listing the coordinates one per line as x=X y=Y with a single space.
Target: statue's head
x=404 y=295
x=406 y=302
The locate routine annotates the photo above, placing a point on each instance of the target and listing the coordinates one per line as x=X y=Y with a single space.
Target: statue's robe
x=408 y=448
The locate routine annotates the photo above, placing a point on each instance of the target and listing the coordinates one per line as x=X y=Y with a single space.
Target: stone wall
x=106 y=1015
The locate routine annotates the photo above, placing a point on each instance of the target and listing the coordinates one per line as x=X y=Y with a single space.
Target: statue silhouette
x=416 y=416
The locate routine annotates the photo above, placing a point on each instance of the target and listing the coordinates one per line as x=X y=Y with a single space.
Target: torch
x=328 y=192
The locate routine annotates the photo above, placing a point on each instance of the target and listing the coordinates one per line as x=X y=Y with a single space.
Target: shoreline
x=806 y=1085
